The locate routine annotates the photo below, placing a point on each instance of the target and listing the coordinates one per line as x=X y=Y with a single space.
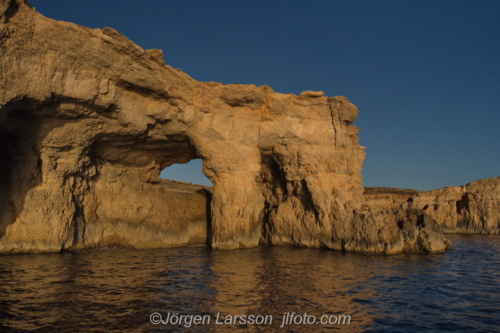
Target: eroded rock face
x=381 y=199
x=474 y=208
x=471 y=209
x=88 y=120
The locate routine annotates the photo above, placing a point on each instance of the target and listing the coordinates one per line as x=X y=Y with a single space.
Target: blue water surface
x=117 y=290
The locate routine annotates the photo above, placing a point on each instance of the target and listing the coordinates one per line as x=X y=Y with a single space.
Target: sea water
x=265 y=289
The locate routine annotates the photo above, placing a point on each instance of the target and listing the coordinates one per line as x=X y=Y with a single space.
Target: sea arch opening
x=190 y=172
x=164 y=215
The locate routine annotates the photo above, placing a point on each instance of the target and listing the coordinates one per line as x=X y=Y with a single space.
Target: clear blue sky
x=425 y=74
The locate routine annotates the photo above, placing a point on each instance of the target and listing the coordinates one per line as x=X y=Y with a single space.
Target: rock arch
x=109 y=116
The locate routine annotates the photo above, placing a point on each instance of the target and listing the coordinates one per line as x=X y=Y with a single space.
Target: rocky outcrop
x=471 y=209
x=88 y=120
x=386 y=198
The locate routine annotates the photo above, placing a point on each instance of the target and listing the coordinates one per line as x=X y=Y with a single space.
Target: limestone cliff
x=88 y=120
x=381 y=199
x=473 y=208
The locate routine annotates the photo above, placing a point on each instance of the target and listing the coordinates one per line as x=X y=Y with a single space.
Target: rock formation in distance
x=88 y=120
x=470 y=209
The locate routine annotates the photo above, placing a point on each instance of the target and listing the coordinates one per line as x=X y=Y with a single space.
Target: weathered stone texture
x=471 y=209
x=474 y=208
x=88 y=120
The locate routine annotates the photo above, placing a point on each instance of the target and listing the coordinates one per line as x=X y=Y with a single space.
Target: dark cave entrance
x=20 y=163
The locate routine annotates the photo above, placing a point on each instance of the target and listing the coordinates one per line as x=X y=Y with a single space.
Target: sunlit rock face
x=88 y=120
x=470 y=209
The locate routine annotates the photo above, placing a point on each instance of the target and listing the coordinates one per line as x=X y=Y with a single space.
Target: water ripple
x=117 y=290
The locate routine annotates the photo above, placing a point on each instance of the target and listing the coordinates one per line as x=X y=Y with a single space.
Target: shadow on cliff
x=11 y=11
x=20 y=163
x=273 y=185
x=208 y=209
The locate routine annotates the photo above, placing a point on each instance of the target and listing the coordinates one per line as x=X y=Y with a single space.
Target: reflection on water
x=117 y=290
